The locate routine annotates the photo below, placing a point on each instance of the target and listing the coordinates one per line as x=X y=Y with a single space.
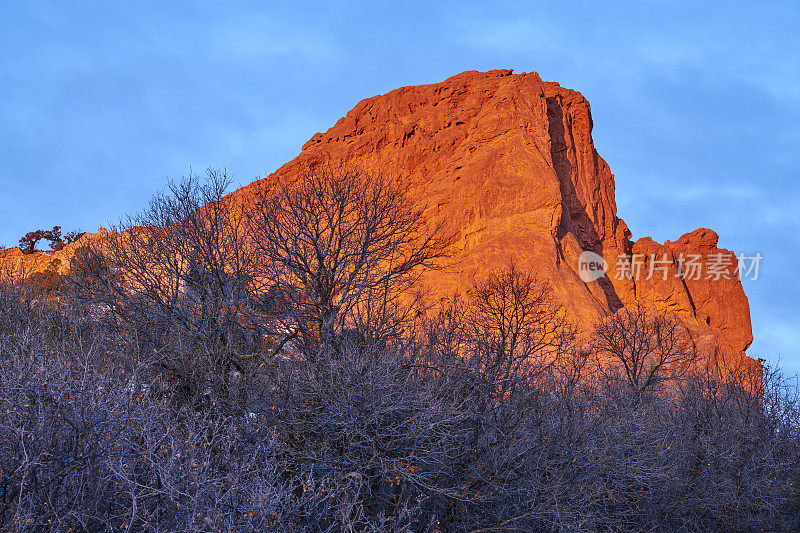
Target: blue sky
x=696 y=105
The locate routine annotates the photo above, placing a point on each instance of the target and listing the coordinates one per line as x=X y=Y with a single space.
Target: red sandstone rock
x=507 y=162
x=715 y=301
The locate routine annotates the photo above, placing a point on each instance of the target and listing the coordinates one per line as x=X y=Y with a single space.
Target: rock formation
x=507 y=162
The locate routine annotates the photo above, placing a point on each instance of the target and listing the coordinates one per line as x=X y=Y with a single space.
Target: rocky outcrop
x=697 y=281
x=507 y=163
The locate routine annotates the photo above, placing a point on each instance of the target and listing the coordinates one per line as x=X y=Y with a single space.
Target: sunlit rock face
x=507 y=163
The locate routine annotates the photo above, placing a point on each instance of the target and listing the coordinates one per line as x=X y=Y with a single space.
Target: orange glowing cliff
x=507 y=162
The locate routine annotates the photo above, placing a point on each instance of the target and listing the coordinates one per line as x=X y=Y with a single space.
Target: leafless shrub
x=515 y=326
x=396 y=435
x=180 y=276
x=140 y=394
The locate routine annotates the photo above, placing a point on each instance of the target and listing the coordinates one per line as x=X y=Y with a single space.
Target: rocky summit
x=507 y=164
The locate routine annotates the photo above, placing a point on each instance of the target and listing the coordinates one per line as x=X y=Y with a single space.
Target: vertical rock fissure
x=574 y=212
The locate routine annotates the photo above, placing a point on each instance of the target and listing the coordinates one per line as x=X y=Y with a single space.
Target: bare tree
x=401 y=437
x=336 y=239
x=515 y=323
x=643 y=347
x=181 y=275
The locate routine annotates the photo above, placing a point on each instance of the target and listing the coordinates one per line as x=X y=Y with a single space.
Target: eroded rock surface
x=507 y=162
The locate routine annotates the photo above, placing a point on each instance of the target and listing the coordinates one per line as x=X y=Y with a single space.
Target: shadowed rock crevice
x=574 y=219
x=679 y=266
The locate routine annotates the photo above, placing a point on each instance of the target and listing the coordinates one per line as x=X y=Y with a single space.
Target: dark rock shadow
x=575 y=218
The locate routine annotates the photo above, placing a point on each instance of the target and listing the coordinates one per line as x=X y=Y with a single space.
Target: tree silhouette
x=31 y=239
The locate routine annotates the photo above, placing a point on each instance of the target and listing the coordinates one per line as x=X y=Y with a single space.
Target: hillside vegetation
x=213 y=366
